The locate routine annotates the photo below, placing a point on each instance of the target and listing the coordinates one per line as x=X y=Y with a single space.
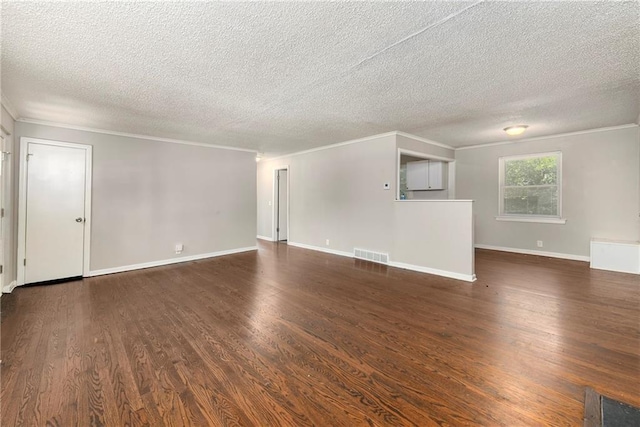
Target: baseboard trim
x=321 y=249
x=434 y=271
x=268 y=239
x=537 y=253
x=10 y=287
x=168 y=261
x=443 y=273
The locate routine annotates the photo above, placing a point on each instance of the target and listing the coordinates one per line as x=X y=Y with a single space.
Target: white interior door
x=283 y=210
x=55 y=212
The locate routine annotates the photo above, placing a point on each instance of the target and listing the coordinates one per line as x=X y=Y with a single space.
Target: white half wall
x=435 y=235
x=600 y=191
x=150 y=195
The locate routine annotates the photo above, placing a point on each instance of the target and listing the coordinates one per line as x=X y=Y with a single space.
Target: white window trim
x=543 y=219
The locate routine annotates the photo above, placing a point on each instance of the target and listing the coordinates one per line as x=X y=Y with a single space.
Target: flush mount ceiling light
x=515 y=130
x=258 y=157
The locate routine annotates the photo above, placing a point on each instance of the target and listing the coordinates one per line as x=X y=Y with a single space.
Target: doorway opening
x=281 y=205
x=423 y=176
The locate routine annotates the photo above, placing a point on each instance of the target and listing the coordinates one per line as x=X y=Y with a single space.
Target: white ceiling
x=284 y=77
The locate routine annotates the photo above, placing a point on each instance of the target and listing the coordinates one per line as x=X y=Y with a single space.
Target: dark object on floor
x=616 y=414
x=602 y=411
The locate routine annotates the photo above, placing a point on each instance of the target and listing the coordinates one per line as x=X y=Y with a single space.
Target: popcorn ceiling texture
x=284 y=77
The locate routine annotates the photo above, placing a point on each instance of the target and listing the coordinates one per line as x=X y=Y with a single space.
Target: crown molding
x=355 y=141
x=328 y=147
x=541 y=138
x=9 y=107
x=132 y=135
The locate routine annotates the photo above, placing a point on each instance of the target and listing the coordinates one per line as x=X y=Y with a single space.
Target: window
x=531 y=188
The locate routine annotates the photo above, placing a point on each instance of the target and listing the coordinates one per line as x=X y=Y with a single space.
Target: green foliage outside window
x=533 y=171
x=530 y=186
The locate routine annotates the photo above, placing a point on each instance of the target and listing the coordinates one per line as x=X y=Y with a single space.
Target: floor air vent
x=378 y=257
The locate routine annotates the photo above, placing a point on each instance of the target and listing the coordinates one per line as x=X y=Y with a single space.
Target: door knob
x=79 y=219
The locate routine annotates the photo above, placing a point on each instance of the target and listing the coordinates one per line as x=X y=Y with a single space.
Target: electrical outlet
x=327 y=242
x=179 y=248
x=539 y=243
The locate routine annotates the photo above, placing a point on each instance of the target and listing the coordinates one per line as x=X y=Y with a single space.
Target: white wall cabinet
x=425 y=175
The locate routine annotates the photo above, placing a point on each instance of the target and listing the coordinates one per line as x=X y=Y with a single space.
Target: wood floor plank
x=287 y=336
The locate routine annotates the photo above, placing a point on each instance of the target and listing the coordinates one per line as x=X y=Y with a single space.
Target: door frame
x=276 y=202
x=22 y=203
x=7 y=181
x=4 y=232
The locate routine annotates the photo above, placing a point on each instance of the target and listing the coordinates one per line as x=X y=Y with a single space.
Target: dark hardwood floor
x=287 y=336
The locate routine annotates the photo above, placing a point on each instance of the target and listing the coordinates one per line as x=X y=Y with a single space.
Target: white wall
x=335 y=194
x=149 y=195
x=600 y=194
x=338 y=194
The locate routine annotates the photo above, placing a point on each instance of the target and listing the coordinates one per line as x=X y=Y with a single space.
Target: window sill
x=532 y=219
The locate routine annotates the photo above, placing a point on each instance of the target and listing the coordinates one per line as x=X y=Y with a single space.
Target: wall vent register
x=378 y=257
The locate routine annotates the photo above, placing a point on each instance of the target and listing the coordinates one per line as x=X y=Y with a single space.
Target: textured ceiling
x=283 y=77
